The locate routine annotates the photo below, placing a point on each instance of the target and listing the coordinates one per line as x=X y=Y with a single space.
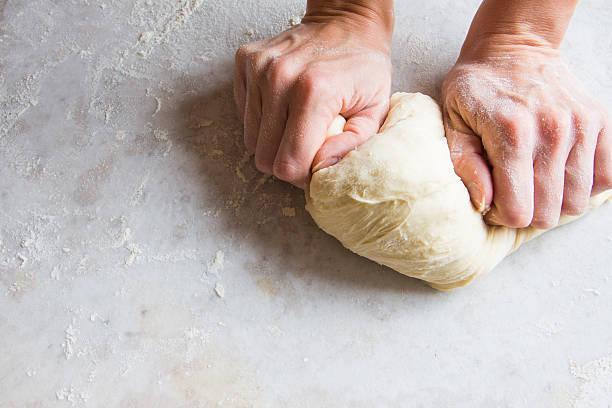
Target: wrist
x=373 y=18
x=508 y=27
x=496 y=46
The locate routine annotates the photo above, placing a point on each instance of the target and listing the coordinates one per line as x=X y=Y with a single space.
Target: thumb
x=467 y=155
x=357 y=129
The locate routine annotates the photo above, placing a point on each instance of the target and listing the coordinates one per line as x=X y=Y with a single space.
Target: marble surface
x=145 y=263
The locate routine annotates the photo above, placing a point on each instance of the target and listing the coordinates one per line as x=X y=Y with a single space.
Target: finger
x=279 y=76
x=240 y=81
x=603 y=162
x=252 y=113
x=512 y=170
x=467 y=155
x=308 y=119
x=357 y=129
x=549 y=169
x=548 y=191
x=579 y=172
x=271 y=128
x=303 y=136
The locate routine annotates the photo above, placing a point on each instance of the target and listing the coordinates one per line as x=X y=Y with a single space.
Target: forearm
x=502 y=25
x=376 y=15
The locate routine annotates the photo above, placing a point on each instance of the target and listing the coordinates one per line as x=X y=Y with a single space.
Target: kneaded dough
x=397 y=200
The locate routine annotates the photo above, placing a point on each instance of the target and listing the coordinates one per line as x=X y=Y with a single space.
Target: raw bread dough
x=397 y=200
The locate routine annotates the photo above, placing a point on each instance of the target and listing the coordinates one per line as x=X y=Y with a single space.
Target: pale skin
x=528 y=142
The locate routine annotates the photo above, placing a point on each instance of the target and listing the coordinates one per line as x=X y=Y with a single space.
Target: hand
x=547 y=142
x=289 y=88
x=526 y=139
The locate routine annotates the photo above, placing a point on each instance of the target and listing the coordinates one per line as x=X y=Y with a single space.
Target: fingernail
x=325 y=163
x=477 y=196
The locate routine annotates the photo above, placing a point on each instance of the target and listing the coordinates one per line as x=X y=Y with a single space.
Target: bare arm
x=500 y=25
x=359 y=13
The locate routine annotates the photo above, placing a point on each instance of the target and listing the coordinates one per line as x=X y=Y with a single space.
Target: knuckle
x=513 y=145
x=585 y=131
x=510 y=123
x=279 y=71
x=285 y=170
x=559 y=119
x=555 y=127
x=312 y=84
x=589 y=112
x=255 y=59
x=242 y=53
x=515 y=133
x=581 y=138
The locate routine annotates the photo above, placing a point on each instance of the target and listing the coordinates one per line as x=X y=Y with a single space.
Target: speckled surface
x=127 y=206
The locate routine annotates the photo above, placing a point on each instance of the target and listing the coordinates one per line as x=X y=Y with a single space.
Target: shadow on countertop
x=256 y=211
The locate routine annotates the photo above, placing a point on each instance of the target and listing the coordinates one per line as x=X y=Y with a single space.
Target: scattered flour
x=217 y=263
x=595 y=292
x=68 y=344
x=72 y=395
x=146 y=36
x=596 y=387
x=59 y=259
x=220 y=289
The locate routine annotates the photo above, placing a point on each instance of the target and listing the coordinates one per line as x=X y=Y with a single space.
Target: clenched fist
x=289 y=88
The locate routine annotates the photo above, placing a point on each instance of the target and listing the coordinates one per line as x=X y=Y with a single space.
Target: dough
x=397 y=200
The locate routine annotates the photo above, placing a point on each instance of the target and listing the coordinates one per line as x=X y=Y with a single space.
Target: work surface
x=144 y=262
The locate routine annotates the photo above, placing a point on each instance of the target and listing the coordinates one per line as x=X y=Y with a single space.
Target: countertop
x=144 y=262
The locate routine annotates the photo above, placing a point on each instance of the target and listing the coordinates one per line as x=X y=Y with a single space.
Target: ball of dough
x=397 y=200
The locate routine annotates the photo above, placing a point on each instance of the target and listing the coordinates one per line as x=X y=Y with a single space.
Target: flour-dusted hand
x=289 y=88
x=545 y=138
x=525 y=137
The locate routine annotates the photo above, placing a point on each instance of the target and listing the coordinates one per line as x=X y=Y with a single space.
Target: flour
x=177 y=256
x=217 y=264
x=14 y=106
x=145 y=13
x=72 y=395
x=139 y=192
x=130 y=270
x=157 y=106
x=240 y=166
x=146 y=36
x=134 y=252
x=125 y=235
x=64 y=253
x=220 y=289
x=69 y=339
x=596 y=382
